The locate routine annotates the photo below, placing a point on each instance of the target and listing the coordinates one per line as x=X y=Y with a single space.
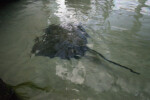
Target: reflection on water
x=131 y=5
x=76 y=75
x=119 y=29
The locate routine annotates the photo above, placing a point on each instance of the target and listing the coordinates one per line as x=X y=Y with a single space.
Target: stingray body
x=64 y=42
x=68 y=41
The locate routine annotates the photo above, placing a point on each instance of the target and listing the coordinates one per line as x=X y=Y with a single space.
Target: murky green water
x=119 y=29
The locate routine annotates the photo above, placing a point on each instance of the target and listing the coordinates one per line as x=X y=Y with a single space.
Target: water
x=119 y=29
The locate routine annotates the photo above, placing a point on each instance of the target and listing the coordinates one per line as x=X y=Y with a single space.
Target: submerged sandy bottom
x=118 y=31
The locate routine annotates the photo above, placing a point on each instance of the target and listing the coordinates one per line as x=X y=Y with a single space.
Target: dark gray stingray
x=65 y=42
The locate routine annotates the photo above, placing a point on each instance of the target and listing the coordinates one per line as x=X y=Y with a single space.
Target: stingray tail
x=113 y=62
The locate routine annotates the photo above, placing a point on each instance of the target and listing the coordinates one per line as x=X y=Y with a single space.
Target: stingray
x=66 y=42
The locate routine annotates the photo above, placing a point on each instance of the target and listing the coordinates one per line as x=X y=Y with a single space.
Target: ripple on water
x=119 y=29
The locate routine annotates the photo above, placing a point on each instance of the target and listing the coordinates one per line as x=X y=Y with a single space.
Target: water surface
x=119 y=29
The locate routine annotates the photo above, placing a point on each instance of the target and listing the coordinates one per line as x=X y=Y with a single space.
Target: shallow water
x=119 y=29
